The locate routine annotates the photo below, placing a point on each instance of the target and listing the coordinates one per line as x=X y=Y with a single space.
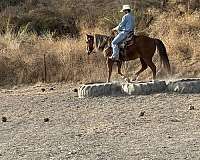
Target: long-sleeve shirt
x=127 y=24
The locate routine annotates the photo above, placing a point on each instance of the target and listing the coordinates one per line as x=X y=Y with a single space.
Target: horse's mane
x=102 y=41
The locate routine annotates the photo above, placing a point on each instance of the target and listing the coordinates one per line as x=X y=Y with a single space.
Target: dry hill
x=30 y=29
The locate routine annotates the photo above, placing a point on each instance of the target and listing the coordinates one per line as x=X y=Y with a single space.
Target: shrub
x=41 y=22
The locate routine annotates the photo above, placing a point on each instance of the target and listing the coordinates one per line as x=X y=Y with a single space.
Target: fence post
x=45 y=70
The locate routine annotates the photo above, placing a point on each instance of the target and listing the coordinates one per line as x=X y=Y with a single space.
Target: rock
x=43 y=89
x=184 y=86
x=99 y=89
x=51 y=89
x=175 y=120
x=75 y=90
x=4 y=119
x=72 y=153
x=46 y=119
x=138 y=88
x=144 y=88
x=79 y=135
x=142 y=113
x=191 y=107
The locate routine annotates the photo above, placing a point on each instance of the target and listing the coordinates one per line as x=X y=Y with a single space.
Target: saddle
x=130 y=40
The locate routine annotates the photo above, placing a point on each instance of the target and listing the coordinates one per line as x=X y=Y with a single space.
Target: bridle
x=90 y=44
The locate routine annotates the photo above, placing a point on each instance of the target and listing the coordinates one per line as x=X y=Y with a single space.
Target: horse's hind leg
x=119 y=64
x=152 y=66
x=110 y=65
x=144 y=67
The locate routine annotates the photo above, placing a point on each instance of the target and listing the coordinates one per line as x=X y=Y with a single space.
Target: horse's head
x=90 y=44
x=97 y=42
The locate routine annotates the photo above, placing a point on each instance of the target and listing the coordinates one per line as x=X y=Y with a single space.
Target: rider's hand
x=113 y=32
x=114 y=29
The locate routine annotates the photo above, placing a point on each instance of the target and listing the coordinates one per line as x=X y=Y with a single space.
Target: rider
x=124 y=28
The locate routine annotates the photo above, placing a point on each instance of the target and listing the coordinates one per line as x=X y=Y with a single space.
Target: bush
x=41 y=22
x=180 y=33
x=5 y=3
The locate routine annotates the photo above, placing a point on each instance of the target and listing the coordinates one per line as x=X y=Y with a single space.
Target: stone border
x=101 y=89
x=184 y=86
x=139 y=88
x=144 y=88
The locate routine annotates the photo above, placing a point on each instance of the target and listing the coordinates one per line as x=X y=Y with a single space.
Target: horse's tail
x=163 y=55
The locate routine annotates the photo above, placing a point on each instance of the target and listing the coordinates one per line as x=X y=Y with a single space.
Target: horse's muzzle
x=89 y=51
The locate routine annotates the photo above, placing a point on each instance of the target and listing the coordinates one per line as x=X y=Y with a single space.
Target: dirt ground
x=105 y=128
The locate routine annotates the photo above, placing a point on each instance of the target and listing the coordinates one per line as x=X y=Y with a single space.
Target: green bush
x=41 y=22
x=5 y=3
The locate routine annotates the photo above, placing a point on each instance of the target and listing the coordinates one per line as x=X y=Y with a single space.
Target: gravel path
x=106 y=128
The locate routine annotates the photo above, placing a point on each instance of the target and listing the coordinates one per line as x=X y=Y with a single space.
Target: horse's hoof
x=123 y=77
x=134 y=79
x=127 y=80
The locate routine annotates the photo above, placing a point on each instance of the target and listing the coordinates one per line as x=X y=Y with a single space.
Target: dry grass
x=22 y=60
x=181 y=34
x=21 y=57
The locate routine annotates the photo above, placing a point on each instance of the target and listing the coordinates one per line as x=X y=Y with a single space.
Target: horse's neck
x=101 y=42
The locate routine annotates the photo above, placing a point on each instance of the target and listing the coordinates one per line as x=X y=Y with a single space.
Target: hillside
x=30 y=29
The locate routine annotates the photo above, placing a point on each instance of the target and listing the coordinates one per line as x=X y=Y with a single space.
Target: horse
x=141 y=46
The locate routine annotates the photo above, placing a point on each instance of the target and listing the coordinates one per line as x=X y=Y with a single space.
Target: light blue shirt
x=127 y=24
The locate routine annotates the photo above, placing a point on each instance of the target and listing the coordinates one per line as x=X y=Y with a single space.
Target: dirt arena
x=153 y=127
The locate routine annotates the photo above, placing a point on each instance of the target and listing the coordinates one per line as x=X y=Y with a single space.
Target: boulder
x=144 y=88
x=99 y=89
x=184 y=86
x=139 y=88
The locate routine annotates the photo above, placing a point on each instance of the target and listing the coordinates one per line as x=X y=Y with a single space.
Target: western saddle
x=130 y=40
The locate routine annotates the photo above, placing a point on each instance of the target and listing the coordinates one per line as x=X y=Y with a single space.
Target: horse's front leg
x=110 y=65
x=119 y=64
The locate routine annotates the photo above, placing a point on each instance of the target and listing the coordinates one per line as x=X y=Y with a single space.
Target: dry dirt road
x=106 y=128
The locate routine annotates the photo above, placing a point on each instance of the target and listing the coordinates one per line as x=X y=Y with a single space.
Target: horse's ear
x=89 y=34
x=86 y=37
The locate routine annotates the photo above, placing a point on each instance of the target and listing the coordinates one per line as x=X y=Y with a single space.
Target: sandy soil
x=106 y=128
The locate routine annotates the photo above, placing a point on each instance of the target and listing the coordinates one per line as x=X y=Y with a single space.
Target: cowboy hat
x=126 y=7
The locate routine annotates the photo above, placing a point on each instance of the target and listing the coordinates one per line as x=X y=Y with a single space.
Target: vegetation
x=29 y=29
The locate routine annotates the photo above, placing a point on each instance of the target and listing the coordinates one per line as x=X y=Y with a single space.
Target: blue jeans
x=115 y=43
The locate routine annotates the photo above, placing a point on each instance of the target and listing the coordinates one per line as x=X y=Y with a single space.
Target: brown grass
x=22 y=61
x=181 y=34
x=21 y=55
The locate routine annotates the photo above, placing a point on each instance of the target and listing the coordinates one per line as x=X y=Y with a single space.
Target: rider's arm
x=121 y=24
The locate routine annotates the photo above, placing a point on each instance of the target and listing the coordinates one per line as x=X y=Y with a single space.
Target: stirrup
x=113 y=59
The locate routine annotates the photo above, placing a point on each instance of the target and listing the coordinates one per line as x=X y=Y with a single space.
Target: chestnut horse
x=141 y=47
